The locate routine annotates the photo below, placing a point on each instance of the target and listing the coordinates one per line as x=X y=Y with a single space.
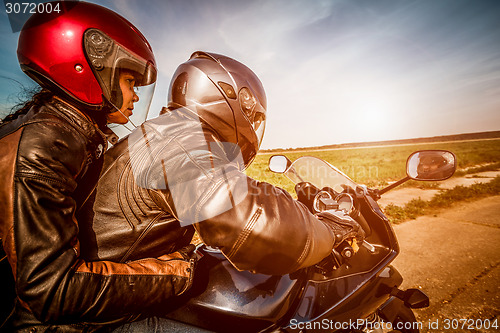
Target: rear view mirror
x=279 y=163
x=431 y=165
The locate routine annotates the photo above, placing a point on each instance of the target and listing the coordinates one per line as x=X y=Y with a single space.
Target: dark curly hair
x=35 y=96
x=40 y=96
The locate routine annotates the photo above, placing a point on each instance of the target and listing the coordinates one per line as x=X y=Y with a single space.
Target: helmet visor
x=136 y=116
x=254 y=112
x=110 y=62
x=259 y=125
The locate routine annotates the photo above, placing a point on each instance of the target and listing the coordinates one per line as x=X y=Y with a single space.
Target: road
x=454 y=257
x=401 y=196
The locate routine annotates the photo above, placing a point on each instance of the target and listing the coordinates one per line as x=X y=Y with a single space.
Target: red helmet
x=226 y=95
x=79 y=52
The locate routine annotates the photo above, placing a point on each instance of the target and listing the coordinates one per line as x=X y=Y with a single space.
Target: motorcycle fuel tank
x=225 y=299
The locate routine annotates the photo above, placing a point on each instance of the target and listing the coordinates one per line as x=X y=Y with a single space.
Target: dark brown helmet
x=226 y=95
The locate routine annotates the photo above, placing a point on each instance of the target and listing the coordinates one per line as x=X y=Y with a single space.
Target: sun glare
x=372 y=114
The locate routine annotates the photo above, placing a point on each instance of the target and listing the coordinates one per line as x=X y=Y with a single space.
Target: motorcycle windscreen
x=318 y=172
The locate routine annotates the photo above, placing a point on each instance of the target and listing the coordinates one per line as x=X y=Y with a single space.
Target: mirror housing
x=279 y=163
x=431 y=165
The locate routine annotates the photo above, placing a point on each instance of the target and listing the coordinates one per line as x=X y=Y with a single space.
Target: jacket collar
x=97 y=143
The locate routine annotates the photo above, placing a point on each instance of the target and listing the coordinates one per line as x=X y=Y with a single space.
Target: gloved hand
x=187 y=252
x=344 y=227
x=182 y=264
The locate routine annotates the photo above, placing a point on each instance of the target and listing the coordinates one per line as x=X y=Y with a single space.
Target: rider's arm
x=51 y=279
x=257 y=226
x=267 y=231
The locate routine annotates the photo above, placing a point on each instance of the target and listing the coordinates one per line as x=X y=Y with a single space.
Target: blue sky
x=334 y=71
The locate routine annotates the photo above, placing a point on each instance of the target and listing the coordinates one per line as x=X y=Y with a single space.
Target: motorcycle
x=355 y=289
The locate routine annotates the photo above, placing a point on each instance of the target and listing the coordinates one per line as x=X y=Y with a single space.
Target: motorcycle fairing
x=224 y=299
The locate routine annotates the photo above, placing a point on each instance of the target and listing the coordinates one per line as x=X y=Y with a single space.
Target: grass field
x=377 y=166
x=444 y=199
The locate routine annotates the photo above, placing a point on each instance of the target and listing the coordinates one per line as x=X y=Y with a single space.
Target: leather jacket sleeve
x=257 y=226
x=267 y=231
x=51 y=279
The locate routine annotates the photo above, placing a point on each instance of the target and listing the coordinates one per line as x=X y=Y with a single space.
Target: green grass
x=418 y=207
x=376 y=167
x=483 y=168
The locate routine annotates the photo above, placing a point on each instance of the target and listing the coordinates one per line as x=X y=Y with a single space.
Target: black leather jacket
x=172 y=174
x=50 y=160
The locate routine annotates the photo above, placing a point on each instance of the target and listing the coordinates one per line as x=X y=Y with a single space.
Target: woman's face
x=127 y=83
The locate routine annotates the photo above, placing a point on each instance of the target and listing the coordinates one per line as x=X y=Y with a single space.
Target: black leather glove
x=187 y=252
x=344 y=227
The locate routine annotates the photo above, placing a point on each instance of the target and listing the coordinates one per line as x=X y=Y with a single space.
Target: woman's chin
x=116 y=118
x=118 y=121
